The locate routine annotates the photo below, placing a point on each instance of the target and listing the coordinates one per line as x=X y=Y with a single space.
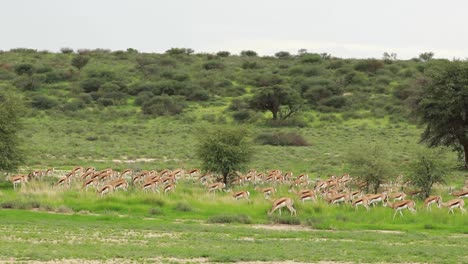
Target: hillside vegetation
x=129 y=109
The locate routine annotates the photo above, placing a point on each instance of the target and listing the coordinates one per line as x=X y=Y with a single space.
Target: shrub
x=240 y=218
x=247 y=65
x=66 y=50
x=42 y=102
x=285 y=220
x=91 y=84
x=334 y=101
x=183 y=207
x=164 y=105
x=223 y=53
x=155 y=211
x=281 y=139
x=213 y=65
x=369 y=66
x=248 y=53
x=310 y=58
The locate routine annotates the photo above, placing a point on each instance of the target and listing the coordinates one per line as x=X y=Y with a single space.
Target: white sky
x=344 y=28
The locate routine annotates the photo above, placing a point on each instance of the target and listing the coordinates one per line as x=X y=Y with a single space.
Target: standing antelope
x=19 y=179
x=283 y=202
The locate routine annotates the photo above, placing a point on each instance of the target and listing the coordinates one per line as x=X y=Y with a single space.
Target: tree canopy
x=280 y=100
x=224 y=150
x=442 y=106
x=10 y=152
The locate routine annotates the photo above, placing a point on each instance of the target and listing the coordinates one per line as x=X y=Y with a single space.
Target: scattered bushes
x=281 y=139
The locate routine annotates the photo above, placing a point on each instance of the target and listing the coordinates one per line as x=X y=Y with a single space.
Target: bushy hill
x=111 y=108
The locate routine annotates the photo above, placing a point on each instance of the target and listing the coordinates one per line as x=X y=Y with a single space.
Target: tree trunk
x=465 y=154
x=275 y=114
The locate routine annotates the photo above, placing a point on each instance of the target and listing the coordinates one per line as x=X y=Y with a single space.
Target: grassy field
x=43 y=236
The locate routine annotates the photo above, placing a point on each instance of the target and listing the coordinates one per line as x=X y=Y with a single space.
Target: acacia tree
x=10 y=112
x=427 y=169
x=369 y=163
x=280 y=100
x=224 y=150
x=79 y=61
x=442 y=107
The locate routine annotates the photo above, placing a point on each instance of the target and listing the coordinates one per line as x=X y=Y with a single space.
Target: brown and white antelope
x=241 y=195
x=267 y=192
x=361 y=201
x=19 y=179
x=283 y=202
x=402 y=205
x=432 y=200
x=453 y=204
x=105 y=189
x=216 y=186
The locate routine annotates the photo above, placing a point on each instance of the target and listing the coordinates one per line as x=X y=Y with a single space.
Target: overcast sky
x=344 y=28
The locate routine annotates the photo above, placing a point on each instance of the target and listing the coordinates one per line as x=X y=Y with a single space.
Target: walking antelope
x=241 y=194
x=402 y=205
x=400 y=196
x=283 y=202
x=373 y=199
x=432 y=200
x=453 y=204
x=216 y=186
x=19 y=179
x=361 y=201
x=339 y=198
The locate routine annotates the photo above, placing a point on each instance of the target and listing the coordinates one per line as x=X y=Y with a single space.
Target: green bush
x=164 y=105
x=225 y=219
x=281 y=139
x=40 y=101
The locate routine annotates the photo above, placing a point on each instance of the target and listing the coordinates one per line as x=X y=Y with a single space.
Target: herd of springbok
x=334 y=190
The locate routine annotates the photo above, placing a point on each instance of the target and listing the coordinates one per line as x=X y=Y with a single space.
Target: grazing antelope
x=453 y=204
x=18 y=179
x=91 y=182
x=241 y=194
x=64 y=180
x=283 y=202
x=105 y=189
x=120 y=184
x=402 y=205
x=169 y=188
x=308 y=196
x=267 y=192
x=151 y=184
x=432 y=200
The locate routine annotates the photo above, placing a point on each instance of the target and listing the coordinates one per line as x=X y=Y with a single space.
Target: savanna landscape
x=185 y=157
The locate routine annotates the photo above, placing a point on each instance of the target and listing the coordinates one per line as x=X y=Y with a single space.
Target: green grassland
x=91 y=117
